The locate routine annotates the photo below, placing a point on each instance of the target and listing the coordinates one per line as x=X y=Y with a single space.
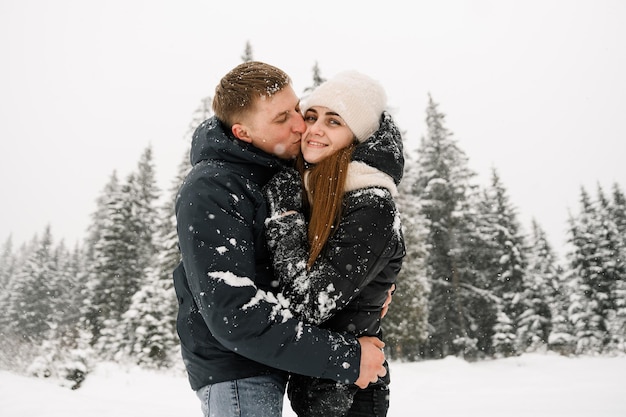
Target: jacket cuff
x=344 y=364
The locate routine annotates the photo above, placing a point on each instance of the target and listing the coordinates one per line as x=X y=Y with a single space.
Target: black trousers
x=372 y=401
x=314 y=397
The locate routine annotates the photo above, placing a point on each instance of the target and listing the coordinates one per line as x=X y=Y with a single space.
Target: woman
x=334 y=230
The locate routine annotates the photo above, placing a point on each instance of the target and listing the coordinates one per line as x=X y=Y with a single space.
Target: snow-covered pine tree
x=484 y=253
x=94 y=243
x=202 y=112
x=72 y=283
x=618 y=214
x=247 y=53
x=317 y=78
x=166 y=231
x=151 y=317
x=121 y=248
x=406 y=323
x=7 y=271
x=591 y=291
x=618 y=210
x=473 y=254
x=612 y=252
x=29 y=314
x=562 y=338
x=73 y=337
x=442 y=184
x=508 y=283
x=62 y=295
x=90 y=320
x=503 y=335
x=115 y=274
x=144 y=194
x=10 y=261
x=152 y=314
x=59 y=356
x=30 y=308
x=541 y=304
x=15 y=350
x=7 y=262
x=7 y=265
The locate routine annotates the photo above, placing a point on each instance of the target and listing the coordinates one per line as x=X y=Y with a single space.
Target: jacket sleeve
x=367 y=239
x=217 y=243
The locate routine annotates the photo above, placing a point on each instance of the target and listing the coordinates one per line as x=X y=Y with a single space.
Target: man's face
x=275 y=125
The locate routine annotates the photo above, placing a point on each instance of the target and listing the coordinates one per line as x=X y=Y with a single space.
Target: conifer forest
x=475 y=282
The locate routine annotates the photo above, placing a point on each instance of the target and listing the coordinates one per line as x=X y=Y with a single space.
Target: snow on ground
x=531 y=385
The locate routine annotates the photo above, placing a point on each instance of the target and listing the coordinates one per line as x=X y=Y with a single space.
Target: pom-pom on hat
x=357 y=98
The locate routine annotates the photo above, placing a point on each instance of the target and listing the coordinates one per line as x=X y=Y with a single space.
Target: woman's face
x=326 y=133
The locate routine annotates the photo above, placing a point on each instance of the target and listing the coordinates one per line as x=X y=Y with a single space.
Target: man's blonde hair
x=237 y=91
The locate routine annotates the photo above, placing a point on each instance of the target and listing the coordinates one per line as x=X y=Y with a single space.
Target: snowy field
x=532 y=385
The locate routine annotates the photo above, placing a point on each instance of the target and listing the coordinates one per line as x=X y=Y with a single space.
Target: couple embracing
x=291 y=244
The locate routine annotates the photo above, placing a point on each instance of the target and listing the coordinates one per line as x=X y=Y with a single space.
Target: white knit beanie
x=357 y=98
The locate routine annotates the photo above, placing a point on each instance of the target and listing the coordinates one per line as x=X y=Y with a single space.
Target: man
x=237 y=337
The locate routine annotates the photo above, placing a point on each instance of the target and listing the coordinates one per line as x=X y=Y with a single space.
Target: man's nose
x=300 y=126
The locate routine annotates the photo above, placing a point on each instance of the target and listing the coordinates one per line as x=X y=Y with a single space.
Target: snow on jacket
x=229 y=323
x=347 y=285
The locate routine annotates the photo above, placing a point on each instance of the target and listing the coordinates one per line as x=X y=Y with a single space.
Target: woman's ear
x=241 y=133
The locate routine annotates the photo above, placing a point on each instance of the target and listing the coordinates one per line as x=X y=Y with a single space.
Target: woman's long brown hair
x=326 y=186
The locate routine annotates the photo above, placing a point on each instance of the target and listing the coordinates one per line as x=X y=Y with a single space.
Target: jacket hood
x=212 y=142
x=383 y=150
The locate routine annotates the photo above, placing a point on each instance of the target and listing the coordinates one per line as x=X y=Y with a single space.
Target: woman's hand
x=283 y=193
x=385 y=309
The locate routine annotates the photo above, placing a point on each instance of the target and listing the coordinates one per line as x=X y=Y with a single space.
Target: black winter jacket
x=230 y=325
x=347 y=285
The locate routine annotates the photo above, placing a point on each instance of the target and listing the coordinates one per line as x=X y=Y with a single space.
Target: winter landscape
x=533 y=385
x=527 y=105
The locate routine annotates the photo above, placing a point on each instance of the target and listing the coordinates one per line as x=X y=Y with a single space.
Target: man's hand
x=372 y=359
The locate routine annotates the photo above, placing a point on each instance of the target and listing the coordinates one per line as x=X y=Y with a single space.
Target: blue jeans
x=257 y=396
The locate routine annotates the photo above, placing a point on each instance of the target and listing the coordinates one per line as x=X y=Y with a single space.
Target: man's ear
x=241 y=133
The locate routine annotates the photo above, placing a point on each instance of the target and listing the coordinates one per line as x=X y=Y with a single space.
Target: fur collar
x=361 y=175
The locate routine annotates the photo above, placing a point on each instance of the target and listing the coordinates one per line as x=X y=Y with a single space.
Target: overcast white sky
x=534 y=88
